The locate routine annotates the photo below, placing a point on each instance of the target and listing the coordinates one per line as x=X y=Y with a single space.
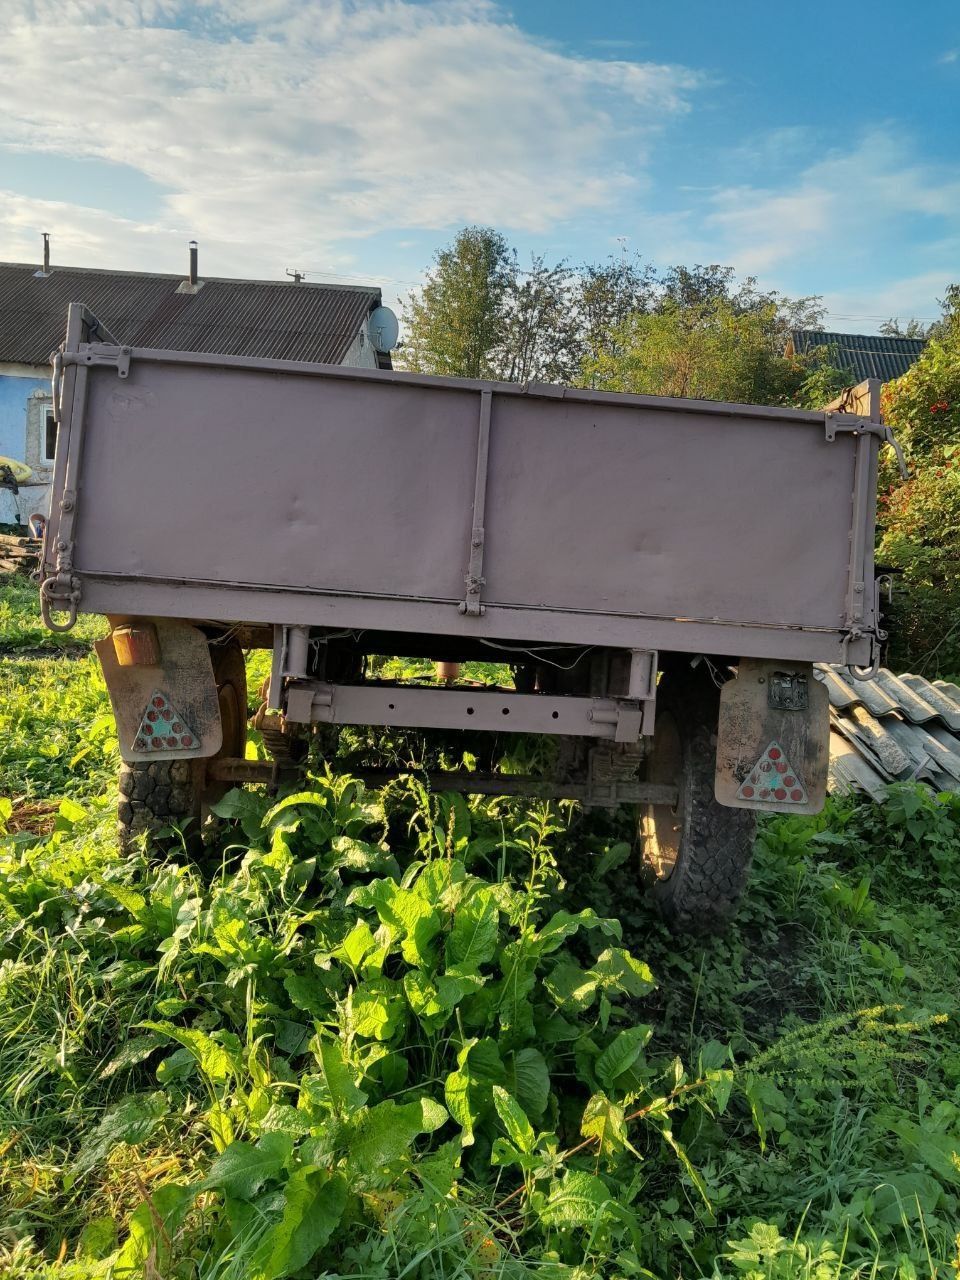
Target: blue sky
x=815 y=146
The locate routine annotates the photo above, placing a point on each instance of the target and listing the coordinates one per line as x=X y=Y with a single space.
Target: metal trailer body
x=204 y=486
x=313 y=506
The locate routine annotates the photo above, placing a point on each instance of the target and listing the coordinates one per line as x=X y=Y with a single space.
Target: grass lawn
x=397 y=1034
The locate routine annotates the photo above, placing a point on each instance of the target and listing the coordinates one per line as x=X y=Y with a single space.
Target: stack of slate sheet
x=892 y=729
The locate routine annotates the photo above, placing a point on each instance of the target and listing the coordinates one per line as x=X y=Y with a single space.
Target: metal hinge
x=854 y=425
x=474 y=580
x=103 y=353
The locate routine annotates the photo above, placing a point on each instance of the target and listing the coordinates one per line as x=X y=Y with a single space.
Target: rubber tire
x=701 y=893
x=159 y=794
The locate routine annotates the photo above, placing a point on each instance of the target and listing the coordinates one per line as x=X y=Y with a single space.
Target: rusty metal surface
x=893 y=729
x=233 y=317
x=346 y=498
x=185 y=683
x=769 y=757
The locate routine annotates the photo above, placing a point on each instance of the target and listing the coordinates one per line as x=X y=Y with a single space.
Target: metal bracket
x=853 y=424
x=102 y=353
x=642 y=684
x=861 y=673
x=626 y=716
x=787 y=691
x=471 y=605
x=60 y=592
x=488 y=710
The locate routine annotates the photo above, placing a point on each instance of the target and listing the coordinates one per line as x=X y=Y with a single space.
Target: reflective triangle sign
x=163 y=728
x=772 y=778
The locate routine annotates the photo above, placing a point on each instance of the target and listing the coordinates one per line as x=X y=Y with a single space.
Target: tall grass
x=192 y=1055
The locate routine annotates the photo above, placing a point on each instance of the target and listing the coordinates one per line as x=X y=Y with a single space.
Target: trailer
x=658 y=575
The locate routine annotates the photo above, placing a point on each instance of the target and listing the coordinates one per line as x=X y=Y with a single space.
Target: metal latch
x=104 y=353
x=854 y=425
x=60 y=593
x=855 y=672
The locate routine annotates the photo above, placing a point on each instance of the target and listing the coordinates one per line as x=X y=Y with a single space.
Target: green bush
x=394 y=1033
x=920 y=518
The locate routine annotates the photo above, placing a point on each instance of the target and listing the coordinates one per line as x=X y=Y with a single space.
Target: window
x=49 y=436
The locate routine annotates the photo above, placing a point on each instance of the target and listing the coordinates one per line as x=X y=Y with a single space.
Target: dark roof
x=865 y=355
x=273 y=319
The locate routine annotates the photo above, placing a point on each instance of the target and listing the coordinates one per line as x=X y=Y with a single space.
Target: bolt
x=762 y=680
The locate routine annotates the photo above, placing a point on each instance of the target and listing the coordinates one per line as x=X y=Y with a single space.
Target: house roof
x=892 y=729
x=865 y=355
x=267 y=318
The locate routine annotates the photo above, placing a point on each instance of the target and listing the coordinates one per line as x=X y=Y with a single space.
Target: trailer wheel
x=159 y=794
x=695 y=857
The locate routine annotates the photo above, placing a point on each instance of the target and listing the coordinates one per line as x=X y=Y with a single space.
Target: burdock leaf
x=314 y=1200
x=473 y=938
x=242 y=1169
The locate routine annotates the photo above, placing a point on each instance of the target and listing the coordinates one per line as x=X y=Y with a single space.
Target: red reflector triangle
x=162 y=728
x=773 y=779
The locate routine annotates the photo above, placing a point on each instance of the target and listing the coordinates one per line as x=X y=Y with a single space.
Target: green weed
x=403 y=1034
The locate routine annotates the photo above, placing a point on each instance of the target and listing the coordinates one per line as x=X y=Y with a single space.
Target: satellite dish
x=383 y=329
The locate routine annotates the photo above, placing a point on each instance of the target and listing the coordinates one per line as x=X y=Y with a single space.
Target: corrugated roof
x=865 y=355
x=892 y=729
x=272 y=319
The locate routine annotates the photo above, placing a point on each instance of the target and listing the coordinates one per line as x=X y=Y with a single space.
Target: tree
x=699 y=286
x=620 y=325
x=912 y=329
x=920 y=517
x=605 y=295
x=722 y=347
x=456 y=323
x=541 y=334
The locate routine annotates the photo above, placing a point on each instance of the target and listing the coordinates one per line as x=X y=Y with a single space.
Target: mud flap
x=773 y=746
x=167 y=711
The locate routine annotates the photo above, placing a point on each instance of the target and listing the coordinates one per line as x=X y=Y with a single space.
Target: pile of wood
x=18 y=553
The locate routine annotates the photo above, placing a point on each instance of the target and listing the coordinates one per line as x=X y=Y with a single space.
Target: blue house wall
x=15 y=393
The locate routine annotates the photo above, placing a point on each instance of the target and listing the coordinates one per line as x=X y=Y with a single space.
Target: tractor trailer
x=658 y=575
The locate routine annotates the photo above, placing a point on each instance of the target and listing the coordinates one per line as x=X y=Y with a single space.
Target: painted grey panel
x=259 y=605
x=651 y=510
x=287 y=481
x=345 y=497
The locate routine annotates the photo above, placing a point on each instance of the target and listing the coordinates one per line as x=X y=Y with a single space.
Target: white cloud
x=846 y=208
x=951 y=55
x=863 y=310
x=281 y=129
